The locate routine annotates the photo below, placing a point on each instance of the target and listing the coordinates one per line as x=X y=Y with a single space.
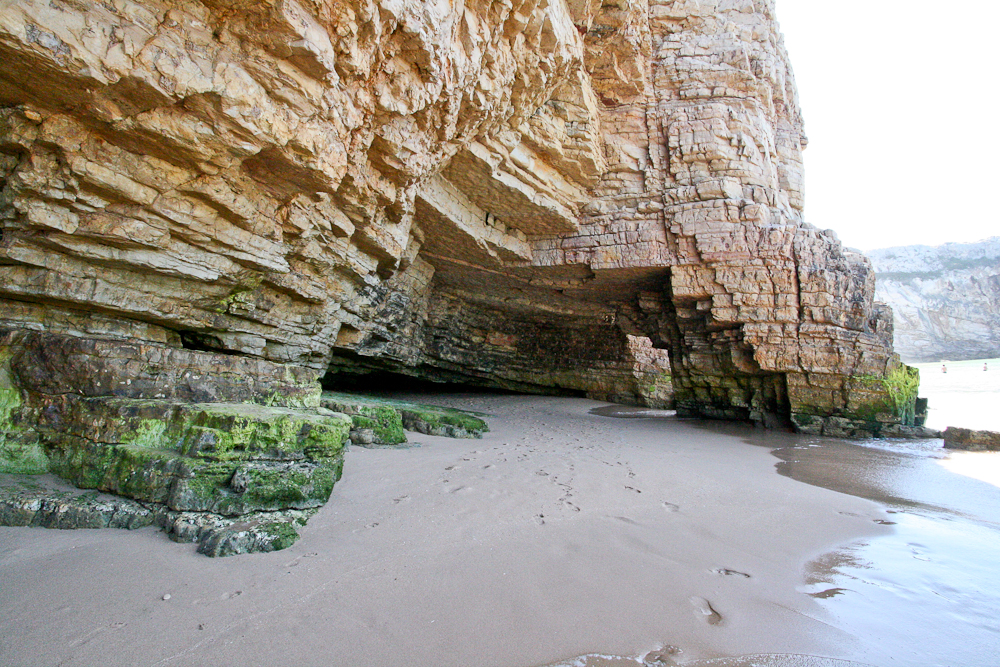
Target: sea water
x=928 y=594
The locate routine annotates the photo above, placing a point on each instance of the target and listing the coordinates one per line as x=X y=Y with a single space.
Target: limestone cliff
x=531 y=194
x=945 y=300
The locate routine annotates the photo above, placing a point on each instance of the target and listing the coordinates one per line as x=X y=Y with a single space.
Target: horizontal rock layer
x=529 y=194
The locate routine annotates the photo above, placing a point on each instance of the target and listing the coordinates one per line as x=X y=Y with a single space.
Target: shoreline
x=559 y=534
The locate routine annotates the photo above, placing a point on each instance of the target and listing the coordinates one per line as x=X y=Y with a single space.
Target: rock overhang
x=529 y=194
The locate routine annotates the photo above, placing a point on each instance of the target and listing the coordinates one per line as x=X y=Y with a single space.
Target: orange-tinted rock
x=504 y=196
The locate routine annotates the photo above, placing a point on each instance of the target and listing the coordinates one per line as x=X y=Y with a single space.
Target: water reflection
x=632 y=412
x=928 y=594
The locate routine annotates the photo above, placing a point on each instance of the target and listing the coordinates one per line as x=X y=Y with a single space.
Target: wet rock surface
x=120 y=418
x=977 y=441
x=46 y=503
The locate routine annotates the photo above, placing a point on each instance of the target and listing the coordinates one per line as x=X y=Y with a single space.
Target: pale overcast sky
x=901 y=100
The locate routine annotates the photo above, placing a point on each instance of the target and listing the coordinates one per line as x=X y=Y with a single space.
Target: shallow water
x=928 y=594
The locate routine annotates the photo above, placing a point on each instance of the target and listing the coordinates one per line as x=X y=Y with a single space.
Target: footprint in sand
x=401 y=499
x=670 y=507
x=296 y=561
x=230 y=596
x=625 y=519
x=703 y=608
x=452 y=467
x=664 y=657
x=632 y=488
x=726 y=572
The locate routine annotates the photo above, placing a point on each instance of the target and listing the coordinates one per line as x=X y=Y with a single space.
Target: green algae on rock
x=229 y=459
x=388 y=417
x=24 y=502
x=20 y=451
x=382 y=420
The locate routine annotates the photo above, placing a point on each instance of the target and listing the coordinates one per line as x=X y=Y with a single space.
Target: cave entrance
x=384 y=382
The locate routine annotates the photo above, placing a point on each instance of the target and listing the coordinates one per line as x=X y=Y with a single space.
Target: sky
x=901 y=100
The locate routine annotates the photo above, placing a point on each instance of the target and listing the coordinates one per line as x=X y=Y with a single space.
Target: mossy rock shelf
x=23 y=502
x=387 y=417
x=234 y=477
x=229 y=459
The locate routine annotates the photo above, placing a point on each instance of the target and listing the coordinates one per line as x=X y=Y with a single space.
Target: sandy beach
x=560 y=534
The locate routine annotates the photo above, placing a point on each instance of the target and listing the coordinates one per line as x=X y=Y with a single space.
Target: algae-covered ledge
x=233 y=476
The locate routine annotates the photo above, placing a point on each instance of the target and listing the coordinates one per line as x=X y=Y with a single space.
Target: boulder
x=971 y=440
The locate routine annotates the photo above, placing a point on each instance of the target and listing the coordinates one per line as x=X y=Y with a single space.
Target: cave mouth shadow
x=387 y=383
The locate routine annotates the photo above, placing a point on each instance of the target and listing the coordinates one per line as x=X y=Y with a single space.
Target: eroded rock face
x=504 y=193
x=977 y=441
x=945 y=300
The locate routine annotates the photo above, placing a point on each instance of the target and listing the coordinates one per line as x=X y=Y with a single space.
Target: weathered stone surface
x=945 y=300
x=27 y=501
x=386 y=418
x=258 y=532
x=116 y=416
x=222 y=200
x=229 y=459
x=977 y=441
x=47 y=364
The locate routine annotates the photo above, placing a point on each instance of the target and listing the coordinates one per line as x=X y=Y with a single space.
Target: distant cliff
x=946 y=300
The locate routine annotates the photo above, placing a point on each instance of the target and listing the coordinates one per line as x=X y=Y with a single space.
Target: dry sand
x=559 y=534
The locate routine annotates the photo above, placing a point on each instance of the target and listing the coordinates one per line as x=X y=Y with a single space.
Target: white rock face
x=946 y=300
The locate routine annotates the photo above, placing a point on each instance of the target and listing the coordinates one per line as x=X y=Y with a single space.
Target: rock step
x=229 y=459
x=976 y=441
x=26 y=502
x=382 y=420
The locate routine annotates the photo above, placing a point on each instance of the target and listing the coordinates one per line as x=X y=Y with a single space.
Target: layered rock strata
x=945 y=300
x=525 y=194
x=232 y=453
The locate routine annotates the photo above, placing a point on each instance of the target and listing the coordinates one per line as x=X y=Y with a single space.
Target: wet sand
x=561 y=533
